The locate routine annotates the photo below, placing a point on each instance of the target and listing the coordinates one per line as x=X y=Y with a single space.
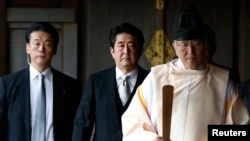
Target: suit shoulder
x=104 y=72
x=245 y=83
x=143 y=71
x=62 y=75
x=15 y=75
x=162 y=68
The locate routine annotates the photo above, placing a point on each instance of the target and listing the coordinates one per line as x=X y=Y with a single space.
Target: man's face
x=126 y=52
x=191 y=52
x=41 y=49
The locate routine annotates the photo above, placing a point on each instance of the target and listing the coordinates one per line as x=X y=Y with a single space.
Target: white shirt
x=131 y=81
x=49 y=99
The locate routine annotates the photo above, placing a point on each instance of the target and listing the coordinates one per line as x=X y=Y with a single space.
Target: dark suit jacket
x=101 y=105
x=15 y=119
x=244 y=90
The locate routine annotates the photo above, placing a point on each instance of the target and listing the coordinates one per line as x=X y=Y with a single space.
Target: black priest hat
x=188 y=24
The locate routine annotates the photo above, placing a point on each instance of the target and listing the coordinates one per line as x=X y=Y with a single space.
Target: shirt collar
x=33 y=73
x=132 y=74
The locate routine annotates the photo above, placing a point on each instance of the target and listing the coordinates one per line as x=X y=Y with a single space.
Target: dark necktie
x=39 y=128
x=124 y=91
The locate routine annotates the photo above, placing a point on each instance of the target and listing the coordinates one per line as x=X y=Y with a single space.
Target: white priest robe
x=201 y=97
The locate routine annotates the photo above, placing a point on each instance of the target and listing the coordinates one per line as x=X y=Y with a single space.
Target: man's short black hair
x=44 y=27
x=126 y=28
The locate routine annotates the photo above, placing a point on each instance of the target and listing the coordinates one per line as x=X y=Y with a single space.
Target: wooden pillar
x=3 y=39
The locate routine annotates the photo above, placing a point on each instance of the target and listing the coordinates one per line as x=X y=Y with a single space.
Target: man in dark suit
x=101 y=107
x=244 y=91
x=19 y=92
x=210 y=37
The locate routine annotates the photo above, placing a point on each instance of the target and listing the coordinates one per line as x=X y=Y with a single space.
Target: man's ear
x=174 y=47
x=111 y=49
x=207 y=54
x=140 y=51
x=27 y=48
x=55 y=50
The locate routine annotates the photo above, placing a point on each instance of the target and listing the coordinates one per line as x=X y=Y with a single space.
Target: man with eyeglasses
x=203 y=93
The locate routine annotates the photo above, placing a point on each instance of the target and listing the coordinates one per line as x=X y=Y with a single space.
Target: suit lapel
x=141 y=76
x=109 y=86
x=139 y=80
x=21 y=93
x=58 y=96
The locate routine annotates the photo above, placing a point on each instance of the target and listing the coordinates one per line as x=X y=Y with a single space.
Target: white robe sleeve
x=136 y=124
x=236 y=111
